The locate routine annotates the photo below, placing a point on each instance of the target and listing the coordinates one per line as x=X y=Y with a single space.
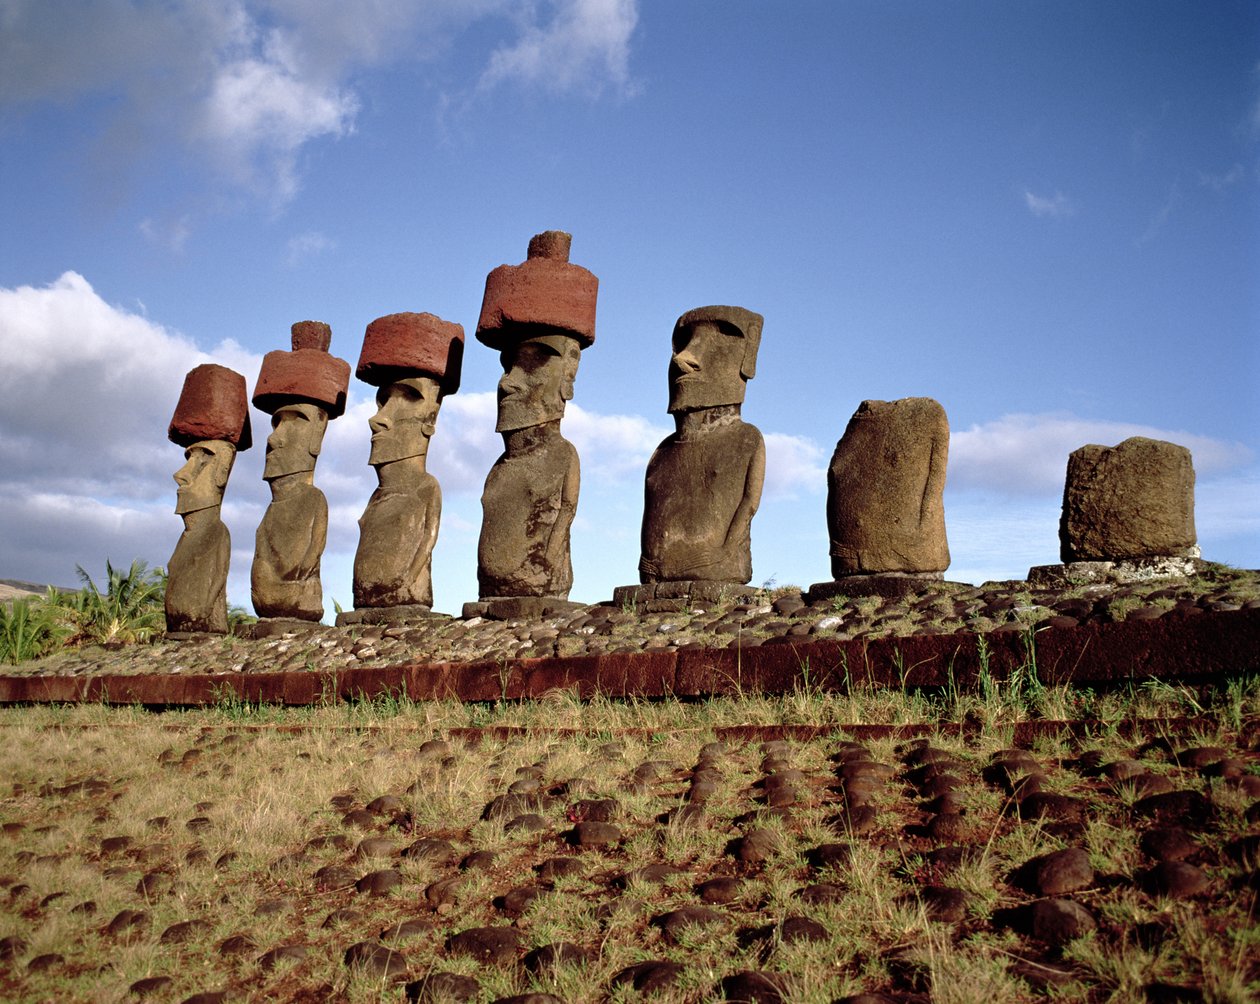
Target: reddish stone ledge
x=1197 y=648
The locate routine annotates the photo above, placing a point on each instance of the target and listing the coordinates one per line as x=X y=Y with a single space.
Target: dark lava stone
x=516 y=901
x=829 y=856
x=1058 y=921
x=940 y=784
x=1123 y=770
x=1060 y=872
x=530 y=998
x=386 y=805
x=376 y=960
x=947 y=826
x=1029 y=784
x=1244 y=851
x=184 y=930
x=1176 y=880
x=1171 y=993
x=865 y=998
x=723 y=889
x=379 y=883
x=154 y=884
x=409 y=928
x=443 y=987
x=1049 y=805
x=701 y=791
x=648 y=977
x=346 y=915
x=198 y=824
x=1199 y=757
x=749 y=987
x=112 y=845
x=951 y=803
x=236 y=944
x=1043 y=975
x=334 y=877
x=433 y=748
x=657 y=872
x=207 y=997
x=1146 y=785
x=477 y=861
x=439 y=852
x=855 y=821
x=342 y=801
x=267 y=907
x=554 y=868
x=282 y=953
x=496 y=945
x=821 y=892
x=595 y=810
x=125 y=922
x=859 y=793
x=375 y=847
x=507 y=806
x=360 y=819
x=443 y=894
x=594 y=834
x=943 y=903
x=853 y=770
x=797 y=928
x=45 y=961
x=683 y=816
x=149 y=985
x=1168 y=843
x=561 y=953
x=673 y=923
x=1184 y=807
x=953 y=856
x=755 y=846
x=87 y=907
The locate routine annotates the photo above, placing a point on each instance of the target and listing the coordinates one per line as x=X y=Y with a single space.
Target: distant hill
x=15 y=589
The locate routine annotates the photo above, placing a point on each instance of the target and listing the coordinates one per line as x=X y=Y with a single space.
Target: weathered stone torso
x=701 y=491
x=885 y=488
x=196 y=583
x=284 y=579
x=397 y=531
x=528 y=506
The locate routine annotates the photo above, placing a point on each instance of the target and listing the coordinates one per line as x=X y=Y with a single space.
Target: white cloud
x=795 y=466
x=306 y=245
x=1026 y=455
x=248 y=84
x=585 y=43
x=1056 y=206
x=171 y=234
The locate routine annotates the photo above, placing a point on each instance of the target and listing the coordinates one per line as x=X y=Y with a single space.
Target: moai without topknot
x=211 y=423
x=1128 y=514
x=302 y=390
x=414 y=361
x=539 y=315
x=885 y=500
x=704 y=482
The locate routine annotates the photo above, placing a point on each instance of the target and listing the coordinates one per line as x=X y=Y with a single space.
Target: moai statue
x=302 y=390
x=885 y=508
x=414 y=361
x=539 y=315
x=704 y=482
x=1128 y=515
x=211 y=423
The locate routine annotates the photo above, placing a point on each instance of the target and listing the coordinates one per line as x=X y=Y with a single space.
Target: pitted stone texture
x=408 y=344
x=307 y=373
x=1134 y=500
x=284 y=578
x=196 y=576
x=212 y=405
x=546 y=291
x=885 y=487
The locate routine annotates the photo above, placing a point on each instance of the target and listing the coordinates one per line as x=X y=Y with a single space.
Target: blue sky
x=1044 y=215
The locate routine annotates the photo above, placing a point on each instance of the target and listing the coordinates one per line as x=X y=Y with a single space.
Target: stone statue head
x=406 y=415
x=204 y=476
x=538 y=376
x=297 y=432
x=714 y=357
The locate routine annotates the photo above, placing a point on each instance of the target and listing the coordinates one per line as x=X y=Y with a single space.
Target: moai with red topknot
x=414 y=362
x=302 y=390
x=211 y=423
x=539 y=315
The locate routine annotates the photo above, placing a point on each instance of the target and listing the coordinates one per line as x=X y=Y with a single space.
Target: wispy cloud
x=171 y=234
x=584 y=44
x=248 y=84
x=306 y=245
x=1219 y=182
x=1159 y=219
x=1056 y=206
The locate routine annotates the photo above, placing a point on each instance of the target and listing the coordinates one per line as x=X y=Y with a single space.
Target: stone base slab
x=667 y=597
x=272 y=627
x=191 y=635
x=508 y=608
x=889 y=585
x=1085 y=573
x=408 y=613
